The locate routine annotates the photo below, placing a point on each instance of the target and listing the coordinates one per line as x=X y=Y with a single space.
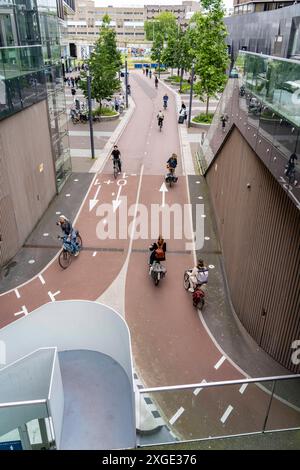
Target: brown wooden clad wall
x=259 y=229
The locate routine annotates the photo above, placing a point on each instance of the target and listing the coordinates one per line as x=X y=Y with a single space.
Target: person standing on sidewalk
x=150 y=73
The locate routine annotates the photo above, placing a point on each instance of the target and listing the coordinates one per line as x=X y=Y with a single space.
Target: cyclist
x=290 y=167
x=160 y=118
x=165 y=100
x=68 y=232
x=116 y=156
x=172 y=163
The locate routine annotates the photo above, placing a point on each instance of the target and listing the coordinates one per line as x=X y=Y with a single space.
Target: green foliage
x=104 y=64
x=210 y=50
x=204 y=118
x=165 y=23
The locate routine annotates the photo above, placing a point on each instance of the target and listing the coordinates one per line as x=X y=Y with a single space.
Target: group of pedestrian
x=119 y=103
x=73 y=82
x=147 y=71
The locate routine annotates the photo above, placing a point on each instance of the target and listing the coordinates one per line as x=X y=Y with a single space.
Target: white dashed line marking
x=58 y=213
x=42 y=279
x=68 y=195
x=197 y=182
x=52 y=296
x=45 y=234
x=203 y=216
x=226 y=414
x=95 y=252
x=198 y=390
x=243 y=388
x=31 y=261
x=176 y=415
x=206 y=238
x=76 y=180
x=220 y=362
x=17 y=293
x=200 y=197
x=24 y=311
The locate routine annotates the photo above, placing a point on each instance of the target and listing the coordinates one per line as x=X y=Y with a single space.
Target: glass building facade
x=31 y=69
x=263 y=102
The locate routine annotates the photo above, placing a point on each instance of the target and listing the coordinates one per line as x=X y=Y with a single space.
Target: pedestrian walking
x=150 y=73
x=73 y=92
x=223 y=119
x=147 y=71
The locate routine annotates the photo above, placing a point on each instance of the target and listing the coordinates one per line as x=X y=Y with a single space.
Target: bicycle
x=68 y=250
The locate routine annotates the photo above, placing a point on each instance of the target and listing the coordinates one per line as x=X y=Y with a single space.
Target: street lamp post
x=88 y=77
x=191 y=93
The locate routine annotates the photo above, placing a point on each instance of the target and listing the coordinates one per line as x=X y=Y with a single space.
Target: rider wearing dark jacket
x=160 y=244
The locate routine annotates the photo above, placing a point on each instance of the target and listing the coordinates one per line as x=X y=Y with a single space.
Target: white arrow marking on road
x=94 y=202
x=24 y=311
x=52 y=296
x=163 y=189
x=117 y=202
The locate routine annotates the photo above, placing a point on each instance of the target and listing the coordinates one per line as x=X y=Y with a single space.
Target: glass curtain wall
x=31 y=69
x=50 y=39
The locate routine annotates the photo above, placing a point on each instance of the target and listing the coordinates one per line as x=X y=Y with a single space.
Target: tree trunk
x=178 y=71
x=181 y=80
x=207 y=104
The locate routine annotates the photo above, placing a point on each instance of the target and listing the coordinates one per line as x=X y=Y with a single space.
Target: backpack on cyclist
x=160 y=254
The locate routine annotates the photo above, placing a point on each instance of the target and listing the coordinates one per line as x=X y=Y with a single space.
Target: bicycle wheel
x=64 y=259
x=115 y=171
x=79 y=241
x=186 y=281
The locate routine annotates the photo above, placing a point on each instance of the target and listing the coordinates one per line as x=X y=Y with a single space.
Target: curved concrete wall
x=71 y=325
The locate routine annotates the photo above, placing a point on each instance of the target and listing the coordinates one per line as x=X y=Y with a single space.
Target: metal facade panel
x=259 y=229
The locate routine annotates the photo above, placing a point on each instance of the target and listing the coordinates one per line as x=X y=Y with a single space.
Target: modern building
x=241 y=7
x=34 y=146
x=255 y=192
x=128 y=22
x=272 y=32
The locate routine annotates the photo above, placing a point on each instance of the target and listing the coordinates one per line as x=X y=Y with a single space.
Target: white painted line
x=95 y=252
x=58 y=213
x=206 y=238
x=52 y=296
x=45 y=234
x=220 y=362
x=243 y=388
x=226 y=414
x=17 y=293
x=42 y=279
x=203 y=216
x=76 y=180
x=198 y=390
x=176 y=415
x=197 y=182
x=200 y=197
x=24 y=311
x=31 y=261
x=211 y=266
x=113 y=194
x=68 y=195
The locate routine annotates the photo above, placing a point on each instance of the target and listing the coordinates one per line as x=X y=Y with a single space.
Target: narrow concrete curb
x=187 y=158
x=104 y=153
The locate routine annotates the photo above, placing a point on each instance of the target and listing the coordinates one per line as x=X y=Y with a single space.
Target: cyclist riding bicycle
x=68 y=231
x=172 y=163
x=160 y=118
x=116 y=156
x=165 y=100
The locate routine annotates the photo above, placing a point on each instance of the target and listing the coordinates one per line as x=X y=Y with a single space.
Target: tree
x=104 y=64
x=164 y=23
x=210 y=50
